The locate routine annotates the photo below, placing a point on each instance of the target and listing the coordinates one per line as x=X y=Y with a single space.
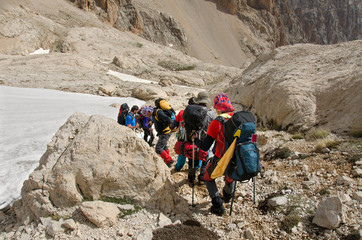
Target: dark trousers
x=148 y=133
x=162 y=142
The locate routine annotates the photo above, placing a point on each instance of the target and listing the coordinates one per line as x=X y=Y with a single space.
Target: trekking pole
x=232 y=199
x=193 y=162
x=254 y=190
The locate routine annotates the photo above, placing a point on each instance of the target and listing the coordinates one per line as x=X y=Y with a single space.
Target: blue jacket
x=130 y=119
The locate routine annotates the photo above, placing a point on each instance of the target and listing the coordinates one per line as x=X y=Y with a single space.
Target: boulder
x=108 y=89
x=148 y=93
x=291 y=88
x=329 y=213
x=93 y=158
x=100 y=213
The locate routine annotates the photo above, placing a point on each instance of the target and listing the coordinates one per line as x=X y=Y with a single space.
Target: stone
x=357 y=172
x=91 y=157
x=277 y=201
x=100 y=213
x=295 y=105
x=54 y=228
x=108 y=89
x=329 y=213
x=163 y=220
x=344 y=180
x=148 y=93
x=249 y=234
x=144 y=234
x=69 y=224
x=345 y=198
x=357 y=196
x=126 y=207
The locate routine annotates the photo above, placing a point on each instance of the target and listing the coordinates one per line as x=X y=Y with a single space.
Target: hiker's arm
x=205 y=144
x=165 y=118
x=175 y=124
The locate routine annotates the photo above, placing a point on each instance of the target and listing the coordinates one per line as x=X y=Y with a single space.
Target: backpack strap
x=222 y=119
x=156 y=115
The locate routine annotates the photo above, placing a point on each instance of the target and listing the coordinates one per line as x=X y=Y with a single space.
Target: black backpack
x=194 y=118
x=123 y=111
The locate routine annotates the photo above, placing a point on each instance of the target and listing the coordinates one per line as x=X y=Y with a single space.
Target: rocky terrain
x=307 y=190
x=306 y=98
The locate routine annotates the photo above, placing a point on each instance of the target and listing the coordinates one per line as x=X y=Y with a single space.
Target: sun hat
x=191 y=101
x=202 y=97
x=146 y=109
x=222 y=103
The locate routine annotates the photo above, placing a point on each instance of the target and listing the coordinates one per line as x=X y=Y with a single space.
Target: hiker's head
x=134 y=108
x=222 y=103
x=202 y=99
x=147 y=111
x=191 y=101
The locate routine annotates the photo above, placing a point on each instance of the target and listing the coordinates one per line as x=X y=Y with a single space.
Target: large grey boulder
x=329 y=213
x=95 y=157
x=300 y=86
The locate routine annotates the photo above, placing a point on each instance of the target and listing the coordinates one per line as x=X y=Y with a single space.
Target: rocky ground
x=300 y=171
x=286 y=200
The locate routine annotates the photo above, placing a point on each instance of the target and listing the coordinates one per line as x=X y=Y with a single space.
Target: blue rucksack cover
x=245 y=163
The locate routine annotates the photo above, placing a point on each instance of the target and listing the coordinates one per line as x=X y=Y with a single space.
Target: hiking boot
x=200 y=178
x=217 y=207
x=226 y=196
x=191 y=178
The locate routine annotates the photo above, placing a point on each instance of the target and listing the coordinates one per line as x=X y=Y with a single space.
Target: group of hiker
x=201 y=138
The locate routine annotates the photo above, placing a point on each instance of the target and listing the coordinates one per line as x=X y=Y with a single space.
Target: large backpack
x=194 y=118
x=123 y=111
x=245 y=164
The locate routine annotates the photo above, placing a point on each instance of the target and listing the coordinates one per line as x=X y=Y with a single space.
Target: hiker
x=178 y=124
x=203 y=100
x=162 y=120
x=146 y=124
x=215 y=133
x=131 y=119
x=196 y=118
x=123 y=112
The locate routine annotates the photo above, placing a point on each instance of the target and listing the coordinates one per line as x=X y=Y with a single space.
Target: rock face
x=292 y=89
x=93 y=158
x=255 y=26
x=322 y=22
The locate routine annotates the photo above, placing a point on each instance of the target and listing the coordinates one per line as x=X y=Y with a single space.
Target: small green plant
x=88 y=199
x=320 y=134
x=297 y=136
x=124 y=200
x=139 y=45
x=289 y=222
x=57 y=217
x=129 y=211
x=326 y=143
